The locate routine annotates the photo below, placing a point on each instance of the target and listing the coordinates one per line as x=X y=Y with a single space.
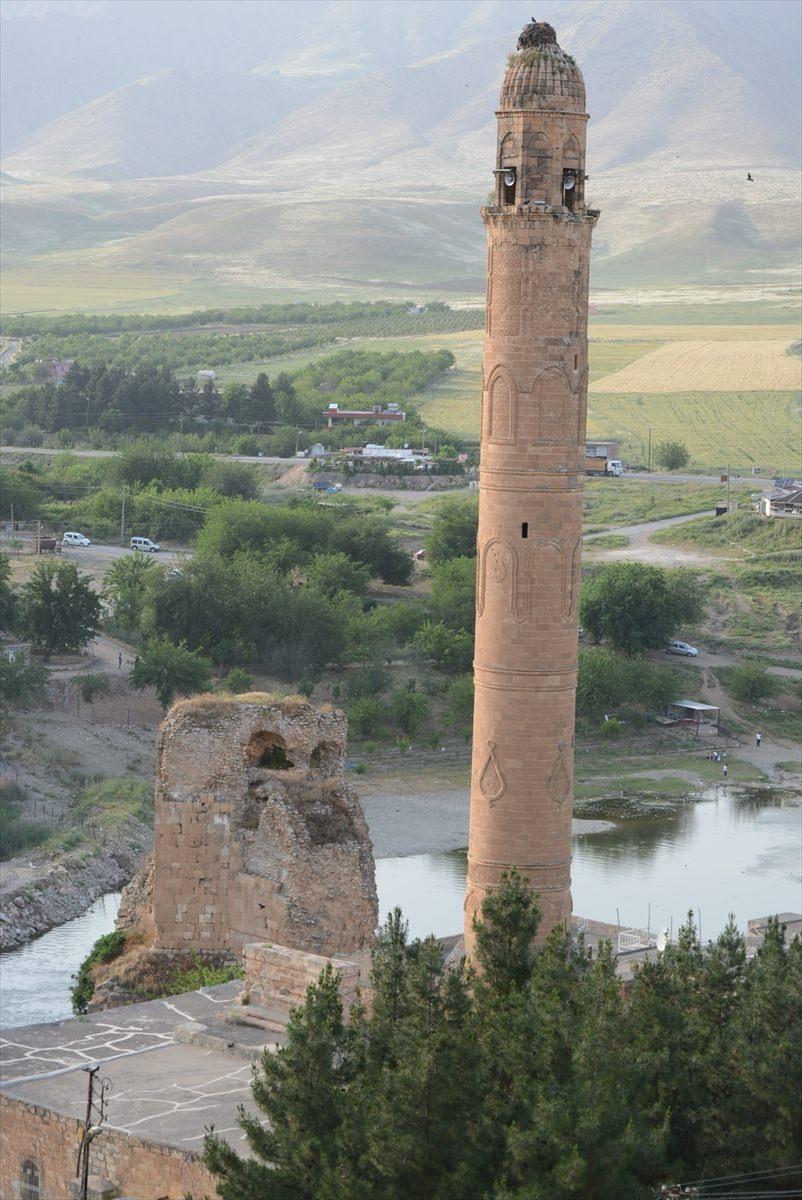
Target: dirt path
x=641 y=549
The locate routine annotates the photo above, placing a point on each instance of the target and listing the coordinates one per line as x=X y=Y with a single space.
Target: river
x=35 y=979
x=733 y=850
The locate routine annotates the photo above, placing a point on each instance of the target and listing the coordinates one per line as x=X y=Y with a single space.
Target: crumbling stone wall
x=277 y=978
x=258 y=837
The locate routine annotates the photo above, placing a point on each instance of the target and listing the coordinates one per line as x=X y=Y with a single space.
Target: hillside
x=356 y=154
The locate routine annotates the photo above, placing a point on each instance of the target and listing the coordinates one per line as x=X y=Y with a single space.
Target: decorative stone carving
x=491 y=780
x=505 y=309
x=500 y=407
x=559 y=779
x=552 y=399
x=497 y=577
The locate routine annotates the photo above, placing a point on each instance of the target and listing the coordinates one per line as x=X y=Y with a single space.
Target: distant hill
x=358 y=149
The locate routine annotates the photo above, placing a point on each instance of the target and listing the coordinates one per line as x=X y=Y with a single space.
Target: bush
x=612 y=727
x=366 y=716
x=447 y=648
x=367 y=681
x=671 y=455
x=22 y=683
x=107 y=947
x=409 y=709
x=17 y=835
x=752 y=682
x=93 y=684
x=235 y=682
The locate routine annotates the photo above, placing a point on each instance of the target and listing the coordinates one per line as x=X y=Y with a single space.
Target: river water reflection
x=734 y=850
x=35 y=979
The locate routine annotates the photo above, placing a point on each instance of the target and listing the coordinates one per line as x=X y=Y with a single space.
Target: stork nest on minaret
x=537 y=33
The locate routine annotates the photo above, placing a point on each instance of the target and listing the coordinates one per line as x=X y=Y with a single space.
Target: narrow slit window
x=525 y=529
x=576 y=361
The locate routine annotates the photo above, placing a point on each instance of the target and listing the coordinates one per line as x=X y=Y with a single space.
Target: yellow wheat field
x=709 y=366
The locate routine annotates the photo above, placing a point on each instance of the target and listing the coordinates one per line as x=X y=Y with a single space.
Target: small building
x=372 y=416
x=57 y=369
x=701 y=717
x=780 y=502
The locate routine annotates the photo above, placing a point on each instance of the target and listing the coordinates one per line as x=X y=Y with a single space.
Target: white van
x=144 y=545
x=75 y=539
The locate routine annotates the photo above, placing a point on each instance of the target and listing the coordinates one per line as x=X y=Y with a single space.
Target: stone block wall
x=139 y=1169
x=258 y=837
x=277 y=977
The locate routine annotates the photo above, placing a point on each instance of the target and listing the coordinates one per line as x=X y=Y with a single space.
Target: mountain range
x=349 y=143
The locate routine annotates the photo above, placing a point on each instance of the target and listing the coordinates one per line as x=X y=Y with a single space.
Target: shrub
x=107 y=947
x=236 y=682
x=366 y=716
x=93 y=684
x=751 y=682
x=612 y=727
x=409 y=709
x=367 y=681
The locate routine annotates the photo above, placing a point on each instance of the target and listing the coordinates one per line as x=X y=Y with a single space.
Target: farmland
x=729 y=391
x=707 y=366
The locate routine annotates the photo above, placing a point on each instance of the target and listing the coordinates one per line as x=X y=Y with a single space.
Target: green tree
x=459 y=700
x=671 y=455
x=453 y=599
x=366 y=716
x=333 y=573
x=410 y=709
x=262 y=400
x=447 y=648
x=453 y=532
x=233 y=480
x=125 y=585
x=635 y=607
x=302 y=1091
x=58 y=610
x=22 y=684
x=751 y=682
x=8 y=596
x=171 y=670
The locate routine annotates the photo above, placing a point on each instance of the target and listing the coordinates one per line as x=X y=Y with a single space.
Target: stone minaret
x=530 y=504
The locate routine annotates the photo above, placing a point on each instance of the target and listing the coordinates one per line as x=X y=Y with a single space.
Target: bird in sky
x=749 y=177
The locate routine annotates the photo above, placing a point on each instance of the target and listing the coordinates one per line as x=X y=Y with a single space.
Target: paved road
x=97 y=554
x=654 y=477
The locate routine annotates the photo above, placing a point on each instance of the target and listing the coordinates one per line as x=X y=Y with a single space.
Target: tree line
x=104 y=400
x=538 y=1078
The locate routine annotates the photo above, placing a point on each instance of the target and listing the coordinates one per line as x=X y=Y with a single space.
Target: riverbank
x=37 y=896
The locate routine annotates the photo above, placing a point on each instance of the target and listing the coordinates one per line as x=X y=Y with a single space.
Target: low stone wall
x=419 y=482
x=139 y=1169
x=277 y=977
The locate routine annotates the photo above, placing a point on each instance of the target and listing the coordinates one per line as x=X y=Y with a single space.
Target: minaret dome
x=540 y=75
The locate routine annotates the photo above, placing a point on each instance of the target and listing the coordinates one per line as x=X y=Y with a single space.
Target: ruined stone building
x=258 y=836
x=530 y=507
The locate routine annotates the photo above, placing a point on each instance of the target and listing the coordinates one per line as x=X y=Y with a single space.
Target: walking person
x=725 y=770
x=119 y=662
x=758 y=739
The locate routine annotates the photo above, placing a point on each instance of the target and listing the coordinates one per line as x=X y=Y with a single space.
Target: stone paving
x=162 y=1086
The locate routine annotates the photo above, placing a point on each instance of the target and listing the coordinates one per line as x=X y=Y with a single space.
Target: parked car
x=144 y=545
x=676 y=647
x=75 y=539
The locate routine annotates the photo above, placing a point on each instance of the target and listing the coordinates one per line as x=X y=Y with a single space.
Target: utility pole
x=728 y=489
x=83 y=1151
x=650 y=449
x=122 y=518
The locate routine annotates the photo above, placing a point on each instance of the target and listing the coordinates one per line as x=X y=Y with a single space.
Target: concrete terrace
x=174 y=1066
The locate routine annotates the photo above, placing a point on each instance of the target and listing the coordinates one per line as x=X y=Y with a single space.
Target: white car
x=75 y=539
x=681 y=648
x=145 y=545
